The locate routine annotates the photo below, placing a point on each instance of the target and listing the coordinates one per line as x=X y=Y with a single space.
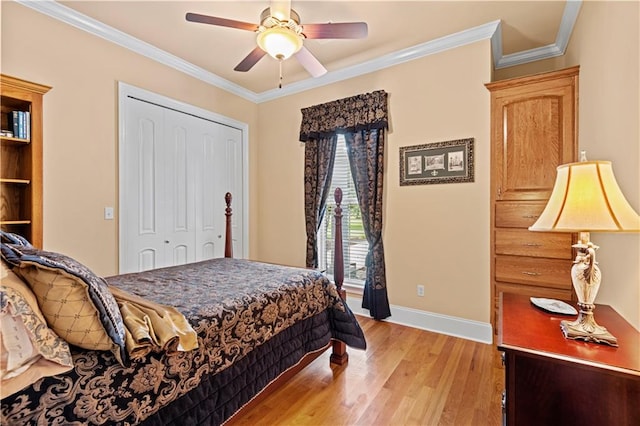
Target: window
x=354 y=242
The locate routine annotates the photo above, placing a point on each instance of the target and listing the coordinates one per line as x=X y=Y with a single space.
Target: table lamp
x=586 y=198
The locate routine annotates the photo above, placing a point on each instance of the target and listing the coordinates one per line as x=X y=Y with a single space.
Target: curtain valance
x=361 y=112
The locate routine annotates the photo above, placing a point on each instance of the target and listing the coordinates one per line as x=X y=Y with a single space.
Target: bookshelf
x=21 y=158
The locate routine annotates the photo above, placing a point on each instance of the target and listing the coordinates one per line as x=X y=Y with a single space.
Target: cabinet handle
x=531 y=244
x=530 y=216
x=533 y=274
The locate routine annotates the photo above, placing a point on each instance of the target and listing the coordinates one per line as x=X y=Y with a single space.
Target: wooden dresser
x=551 y=380
x=534 y=129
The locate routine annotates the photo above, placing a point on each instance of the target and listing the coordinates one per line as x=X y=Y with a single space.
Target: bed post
x=228 y=240
x=339 y=355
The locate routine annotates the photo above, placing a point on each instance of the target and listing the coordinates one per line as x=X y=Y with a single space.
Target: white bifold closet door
x=177 y=168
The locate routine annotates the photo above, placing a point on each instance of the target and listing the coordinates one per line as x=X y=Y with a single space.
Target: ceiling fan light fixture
x=279 y=42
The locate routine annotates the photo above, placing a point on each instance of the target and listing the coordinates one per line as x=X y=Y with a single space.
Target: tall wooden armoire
x=534 y=129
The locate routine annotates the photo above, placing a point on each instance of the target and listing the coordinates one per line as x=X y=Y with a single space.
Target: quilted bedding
x=253 y=320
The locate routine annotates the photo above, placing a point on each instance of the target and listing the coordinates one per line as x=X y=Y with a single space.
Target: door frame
x=128 y=91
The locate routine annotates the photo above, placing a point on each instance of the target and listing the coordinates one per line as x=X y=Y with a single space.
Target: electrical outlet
x=420 y=289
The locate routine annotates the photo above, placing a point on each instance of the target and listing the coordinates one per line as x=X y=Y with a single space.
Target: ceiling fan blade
x=222 y=22
x=280 y=9
x=310 y=63
x=251 y=59
x=337 y=30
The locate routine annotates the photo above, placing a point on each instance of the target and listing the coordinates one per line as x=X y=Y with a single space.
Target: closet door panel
x=141 y=219
x=209 y=205
x=233 y=175
x=178 y=212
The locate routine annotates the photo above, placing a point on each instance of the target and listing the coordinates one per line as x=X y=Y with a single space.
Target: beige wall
x=81 y=122
x=434 y=235
x=606 y=44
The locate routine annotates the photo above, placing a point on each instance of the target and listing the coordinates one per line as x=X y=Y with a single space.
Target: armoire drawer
x=521 y=214
x=552 y=273
x=522 y=242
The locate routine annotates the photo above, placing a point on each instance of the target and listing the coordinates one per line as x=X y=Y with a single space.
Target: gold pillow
x=64 y=301
x=76 y=303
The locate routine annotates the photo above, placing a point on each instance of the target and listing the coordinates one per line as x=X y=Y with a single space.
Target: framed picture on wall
x=439 y=162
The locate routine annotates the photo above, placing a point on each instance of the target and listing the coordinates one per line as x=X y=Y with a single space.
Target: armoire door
x=176 y=169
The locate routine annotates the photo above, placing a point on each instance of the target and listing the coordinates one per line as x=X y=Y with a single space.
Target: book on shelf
x=27 y=125
x=20 y=123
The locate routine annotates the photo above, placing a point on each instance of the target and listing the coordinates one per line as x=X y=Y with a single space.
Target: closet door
x=218 y=168
x=232 y=178
x=176 y=168
x=141 y=220
x=178 y=191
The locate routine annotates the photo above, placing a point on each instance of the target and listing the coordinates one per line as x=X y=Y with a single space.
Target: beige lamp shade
x=586 y=197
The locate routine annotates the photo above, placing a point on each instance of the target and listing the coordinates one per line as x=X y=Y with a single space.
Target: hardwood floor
x=405 y=377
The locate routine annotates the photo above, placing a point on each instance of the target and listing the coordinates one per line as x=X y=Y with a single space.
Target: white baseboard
x=438 y=323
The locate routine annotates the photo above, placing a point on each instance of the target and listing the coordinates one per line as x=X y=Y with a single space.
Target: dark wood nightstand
x=551 y=380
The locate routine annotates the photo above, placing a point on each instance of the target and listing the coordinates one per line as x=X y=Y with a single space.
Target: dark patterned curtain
x=363 y=119
x=319 y=156
x=365 y=149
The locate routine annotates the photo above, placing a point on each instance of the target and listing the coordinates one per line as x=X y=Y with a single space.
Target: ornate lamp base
x=585 y=328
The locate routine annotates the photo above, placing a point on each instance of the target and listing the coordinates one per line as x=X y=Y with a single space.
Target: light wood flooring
x=405 y=377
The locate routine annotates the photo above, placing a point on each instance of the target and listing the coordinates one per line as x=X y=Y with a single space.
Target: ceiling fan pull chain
x=280 y=81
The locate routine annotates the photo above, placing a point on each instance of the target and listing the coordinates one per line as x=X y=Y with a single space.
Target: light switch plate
x=108 y=213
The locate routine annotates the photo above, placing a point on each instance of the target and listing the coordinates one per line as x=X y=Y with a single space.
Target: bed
x=254 y=325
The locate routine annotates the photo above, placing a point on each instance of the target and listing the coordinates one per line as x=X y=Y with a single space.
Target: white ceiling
x=521 y=31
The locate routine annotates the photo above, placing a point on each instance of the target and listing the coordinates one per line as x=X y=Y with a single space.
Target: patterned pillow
x=30 y=349
x=77 y=304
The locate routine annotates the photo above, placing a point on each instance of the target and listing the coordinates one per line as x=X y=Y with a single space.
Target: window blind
x=354 y=242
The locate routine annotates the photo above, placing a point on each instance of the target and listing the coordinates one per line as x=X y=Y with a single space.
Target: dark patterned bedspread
x=237 y=307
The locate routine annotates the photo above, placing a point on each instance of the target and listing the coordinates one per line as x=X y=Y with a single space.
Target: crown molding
x=432 y=47
x=491 y=30
x=569 y=17
x=69 y=16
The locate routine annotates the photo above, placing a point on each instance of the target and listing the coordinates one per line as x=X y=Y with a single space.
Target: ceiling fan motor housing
x=280 y=39
x=267 y=20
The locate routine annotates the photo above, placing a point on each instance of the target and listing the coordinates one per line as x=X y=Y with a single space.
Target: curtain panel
x=366 y=158
x=319 y=156
x=363 y=119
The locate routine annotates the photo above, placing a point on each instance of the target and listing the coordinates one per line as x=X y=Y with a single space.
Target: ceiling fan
x=281 y=35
